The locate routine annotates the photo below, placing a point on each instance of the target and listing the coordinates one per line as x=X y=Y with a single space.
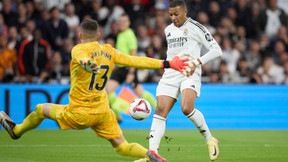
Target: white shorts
x=172 y=86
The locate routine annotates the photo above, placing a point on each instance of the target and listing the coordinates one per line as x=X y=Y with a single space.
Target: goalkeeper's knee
x=39 y=110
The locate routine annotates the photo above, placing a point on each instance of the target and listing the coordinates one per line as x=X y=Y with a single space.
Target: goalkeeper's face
x=178 y=15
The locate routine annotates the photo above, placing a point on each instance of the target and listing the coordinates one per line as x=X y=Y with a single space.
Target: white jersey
x=187 y=39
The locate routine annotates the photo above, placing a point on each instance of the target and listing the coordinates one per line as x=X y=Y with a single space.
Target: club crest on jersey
x=208 y=37
x=185 y=31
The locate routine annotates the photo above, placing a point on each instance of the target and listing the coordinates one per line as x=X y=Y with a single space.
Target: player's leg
x=139 y=90
x=32 y=121
x=117 y=77
x=164 y=105
x=122 y=147
x=106 y=126
x=112 y=85
x=188 y=97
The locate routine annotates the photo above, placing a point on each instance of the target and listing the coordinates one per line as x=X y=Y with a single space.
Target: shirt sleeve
x=135 y=61
x=78 y=53
x=203 y=36
x=133 y=42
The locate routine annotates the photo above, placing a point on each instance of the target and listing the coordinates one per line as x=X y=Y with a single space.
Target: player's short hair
x=175 y=3
x=89 y=28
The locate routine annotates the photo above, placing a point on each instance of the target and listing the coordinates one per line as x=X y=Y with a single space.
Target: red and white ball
x=140 y=109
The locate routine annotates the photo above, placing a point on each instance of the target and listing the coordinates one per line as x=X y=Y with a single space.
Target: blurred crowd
x=36 y=37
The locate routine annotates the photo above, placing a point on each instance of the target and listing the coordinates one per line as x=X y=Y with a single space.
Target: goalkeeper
x=91 y=67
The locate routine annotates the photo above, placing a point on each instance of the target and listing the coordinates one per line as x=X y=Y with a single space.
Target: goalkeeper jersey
x=87 y=90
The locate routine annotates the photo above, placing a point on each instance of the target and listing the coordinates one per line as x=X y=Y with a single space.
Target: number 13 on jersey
x=100 y=83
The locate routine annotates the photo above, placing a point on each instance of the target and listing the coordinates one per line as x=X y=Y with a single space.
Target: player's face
x=124 y=23
x=178 y=15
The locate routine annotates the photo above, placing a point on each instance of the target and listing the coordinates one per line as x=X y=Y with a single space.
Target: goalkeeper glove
x=176 y=63
x=90 y=67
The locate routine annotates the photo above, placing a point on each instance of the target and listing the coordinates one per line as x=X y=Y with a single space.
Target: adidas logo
x=168 y=35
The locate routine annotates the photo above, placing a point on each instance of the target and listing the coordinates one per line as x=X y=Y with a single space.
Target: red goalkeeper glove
x=176 y=63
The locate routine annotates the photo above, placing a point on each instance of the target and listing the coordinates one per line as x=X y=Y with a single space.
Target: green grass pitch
x=176 y=146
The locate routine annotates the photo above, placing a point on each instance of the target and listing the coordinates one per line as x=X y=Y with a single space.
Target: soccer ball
x=140 y=109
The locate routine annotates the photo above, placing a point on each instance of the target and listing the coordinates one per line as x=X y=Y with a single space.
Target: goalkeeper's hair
x=175 y=3
x=89 y=28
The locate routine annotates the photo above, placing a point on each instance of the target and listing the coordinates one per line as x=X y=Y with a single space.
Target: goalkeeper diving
x=88 y=107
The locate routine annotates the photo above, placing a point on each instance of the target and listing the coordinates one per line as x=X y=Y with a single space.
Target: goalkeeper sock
x=198 y=119
x=131 y=149
x=150 y=98
x=32 y=121
x=156 y=132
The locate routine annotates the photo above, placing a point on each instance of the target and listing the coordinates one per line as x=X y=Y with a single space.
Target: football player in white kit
x=184 y=36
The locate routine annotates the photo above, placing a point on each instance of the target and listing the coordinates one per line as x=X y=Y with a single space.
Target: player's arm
x=82 y=57
x=149 y=63
x=204 y=37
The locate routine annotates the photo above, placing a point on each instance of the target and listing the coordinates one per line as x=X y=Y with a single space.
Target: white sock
x=156 y=132
x=198 y=119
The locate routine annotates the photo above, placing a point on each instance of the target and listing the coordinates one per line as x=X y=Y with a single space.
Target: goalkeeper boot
x=8 y=124
x=213 y=148
x=154 y=157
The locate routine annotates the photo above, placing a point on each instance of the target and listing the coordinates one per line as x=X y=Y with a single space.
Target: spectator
x=56 y=72
x=8 y=61
x=244 y=16
x=271 y=19
x=13 y=39
x=83 y=7
x=283 y=36
x=32 y=12
x=22 y=16
x=279 y=48
x=9 y=16
x=214 y=77
x=31 y=26
x=203 y=19
x=114 y=30
x=66 y=56
x=143 y=40
x=214 y=13
x=232 y=14
x=96 y=5
x=55 y=30
x=3 y=27
x=264 y=43
x=243 y=71
x=270 y=73
x=25 y=34
x=71 y=18
x=253 y=55
x=34 y=58
x=109 y=13
x=195 y=7
x=49 y=4
x=228 y=27
x=136 y=11
x=230 y=55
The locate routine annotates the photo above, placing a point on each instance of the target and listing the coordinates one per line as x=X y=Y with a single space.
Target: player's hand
x=90 y=67
x=130 y=77
x=191 y=68
x=178 y=64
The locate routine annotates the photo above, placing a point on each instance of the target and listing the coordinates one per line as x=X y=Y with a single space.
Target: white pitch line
x=222 y=145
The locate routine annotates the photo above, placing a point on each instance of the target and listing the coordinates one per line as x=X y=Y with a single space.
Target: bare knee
x=162 y=111
x=187 y=109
